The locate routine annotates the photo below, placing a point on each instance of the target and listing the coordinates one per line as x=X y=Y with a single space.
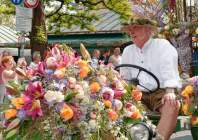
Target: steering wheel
x=135 y=80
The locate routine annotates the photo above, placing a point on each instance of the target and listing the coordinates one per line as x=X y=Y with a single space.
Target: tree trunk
x=38 y=35
x=185 y=10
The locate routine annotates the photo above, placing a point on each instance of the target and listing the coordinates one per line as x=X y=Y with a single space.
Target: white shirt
x=157 y=56
x=115 y=60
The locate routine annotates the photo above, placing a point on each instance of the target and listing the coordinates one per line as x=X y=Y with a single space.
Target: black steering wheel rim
x=142 y=69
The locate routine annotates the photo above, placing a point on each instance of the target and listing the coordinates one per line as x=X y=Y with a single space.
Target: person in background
x=105 y=57
x=21 y=63
x=95 y=58
x=36 y=60
x=184 y=51
x=115 y=59
x=8 y=72
x=159 y=57
x=2 y=85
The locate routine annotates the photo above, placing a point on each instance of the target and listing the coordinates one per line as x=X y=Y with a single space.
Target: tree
x=66 y=13
x=6 y=13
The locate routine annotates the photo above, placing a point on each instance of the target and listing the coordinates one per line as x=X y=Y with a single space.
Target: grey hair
x=36 y=54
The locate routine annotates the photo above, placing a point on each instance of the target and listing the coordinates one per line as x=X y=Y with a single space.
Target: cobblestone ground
x=182 y=135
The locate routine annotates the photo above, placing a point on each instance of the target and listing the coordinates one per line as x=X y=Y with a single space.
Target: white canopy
x=9 y=37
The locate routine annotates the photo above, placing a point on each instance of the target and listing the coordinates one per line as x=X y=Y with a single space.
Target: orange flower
x=107 y=103
x=95 y=87
x=113 y=115
x=136 y=115
x=82 y=63
x=10 y=113
x=84 y=72
x=136 y=94
x=18 y=102
x=66 y=112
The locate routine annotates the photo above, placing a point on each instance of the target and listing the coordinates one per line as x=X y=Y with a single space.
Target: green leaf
x=128 y=120
x=36 y=136
x=13 y=124
x=70 y=96
x=11 y=133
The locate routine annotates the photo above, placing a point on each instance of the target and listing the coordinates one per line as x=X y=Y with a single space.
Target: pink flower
x=33 y=109
x=41 y=68
x=34 y=90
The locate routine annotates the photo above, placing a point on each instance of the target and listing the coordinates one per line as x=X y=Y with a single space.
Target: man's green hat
x=140 y=21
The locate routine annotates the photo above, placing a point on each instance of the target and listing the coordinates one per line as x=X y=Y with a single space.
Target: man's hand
x=170 y=98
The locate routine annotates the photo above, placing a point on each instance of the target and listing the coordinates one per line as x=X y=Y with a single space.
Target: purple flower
x=21 y=114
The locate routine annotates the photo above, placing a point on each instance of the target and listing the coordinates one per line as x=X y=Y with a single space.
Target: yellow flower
x=107 y=103
x=187 y=91
x=185 y=109
x=18 y=102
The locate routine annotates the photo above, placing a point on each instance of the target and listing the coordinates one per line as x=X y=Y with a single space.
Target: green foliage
x=7 y=10
x=6 y=7
x=40 y=36
x=83 y=13
x=13 y=124
x=10 y=135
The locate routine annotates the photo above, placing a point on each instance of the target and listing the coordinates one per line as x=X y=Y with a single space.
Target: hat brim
x=127 y=28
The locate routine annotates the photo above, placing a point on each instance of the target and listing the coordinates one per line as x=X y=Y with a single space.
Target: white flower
x=167 y=27
x=80 y=91
x=54 y=96
x=92 y=124
x=118 y=104
x=71 y=82
x=102 y=79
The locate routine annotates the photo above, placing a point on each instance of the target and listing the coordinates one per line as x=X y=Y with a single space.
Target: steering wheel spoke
x=145 y=88
x=136 y=80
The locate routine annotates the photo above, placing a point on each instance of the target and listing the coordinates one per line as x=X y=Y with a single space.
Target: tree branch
x=92 y=3
x=57 y=10
x=110 y=8
x=71 y=15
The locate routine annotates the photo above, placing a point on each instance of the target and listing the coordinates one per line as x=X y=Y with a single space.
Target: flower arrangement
x=190 y=100
x=65 y=98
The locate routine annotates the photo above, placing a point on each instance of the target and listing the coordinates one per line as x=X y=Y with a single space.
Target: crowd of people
x=106 y=58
